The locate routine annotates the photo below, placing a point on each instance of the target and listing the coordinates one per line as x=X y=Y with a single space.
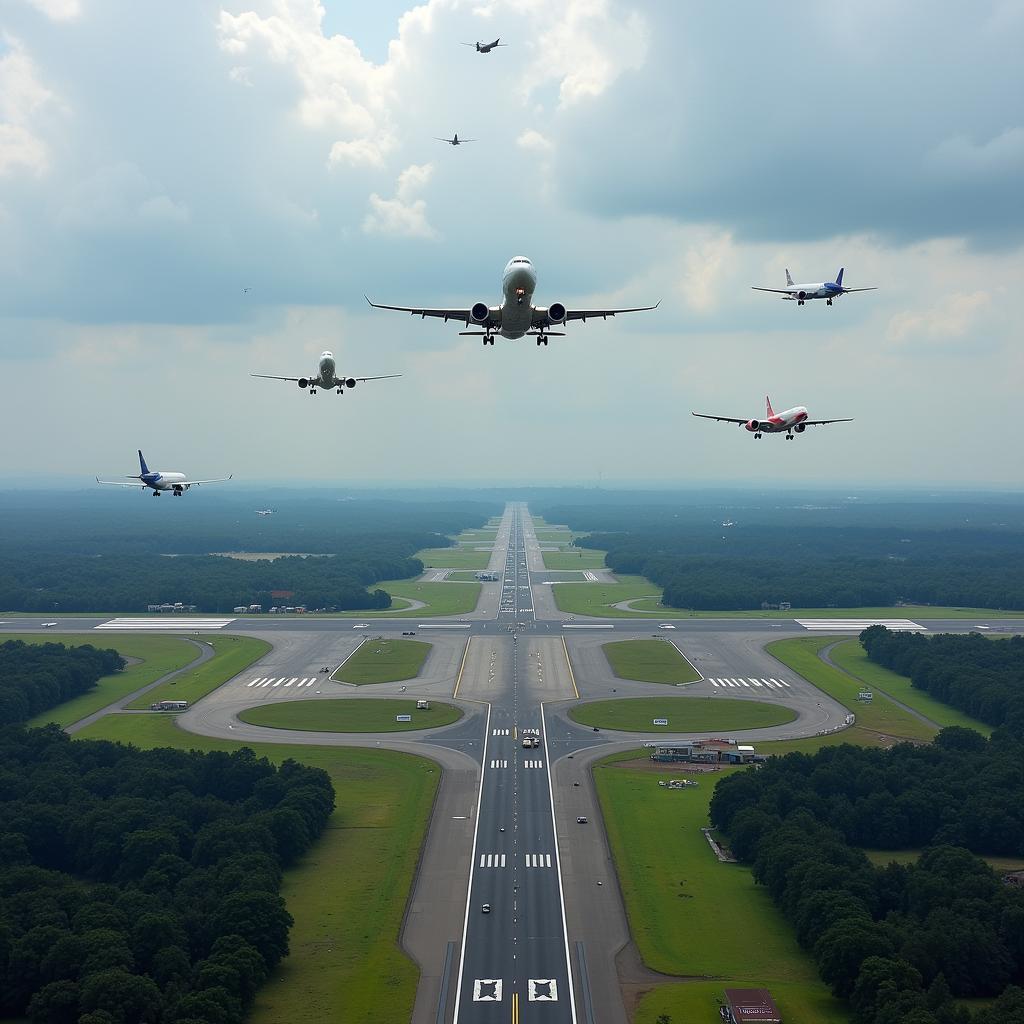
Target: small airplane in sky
x=176 y=483
x=455 y=140
x=827 y=290
x=326 y=377
x=265 y=511
x=516 y=316
x=486 y=47
x=788 y=422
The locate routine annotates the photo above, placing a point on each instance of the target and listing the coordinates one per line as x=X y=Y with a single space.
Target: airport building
x=712 y=751
x=750 y=1006
x=171 y=609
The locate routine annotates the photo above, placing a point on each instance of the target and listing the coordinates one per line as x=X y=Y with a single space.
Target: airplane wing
x=386 y=376
x=271 y=376
x=822 y=423
x=444 y=314
x=588 y=314
x=721 y=419
x=777 y=291
x=846 y=291
x=196 y=483
x=121 y=483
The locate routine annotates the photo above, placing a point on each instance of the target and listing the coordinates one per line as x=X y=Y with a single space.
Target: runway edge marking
x=688 y=662
x=572 y=678
x=344 y=662
x=458 y=682
x=472 y=865
x=558 y=866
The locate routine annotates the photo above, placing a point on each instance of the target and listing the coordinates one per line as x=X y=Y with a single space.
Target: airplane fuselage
x=326 y=378
x=518 y=283
x=818 y=290
x=779 y=423
x=165 y=481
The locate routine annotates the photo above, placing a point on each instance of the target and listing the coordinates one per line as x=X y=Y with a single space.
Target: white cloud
x=120 y=196
x=21 y=96
x=58 y=10
x=705 y=265
x=950 y=318
x=405 y=215
x=961 y=159
x=534 y=141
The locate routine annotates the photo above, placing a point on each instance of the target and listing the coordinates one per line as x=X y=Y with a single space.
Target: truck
x=423 y=705
x=169 y=705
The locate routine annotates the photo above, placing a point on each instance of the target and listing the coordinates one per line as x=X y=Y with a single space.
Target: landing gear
x=757 y=436
x=341 y=391
x=799 y=302
x=488 y=340
x=828 y=302
x=541 y=340
x=789 y=437
x=156 y=494
x=312 y=392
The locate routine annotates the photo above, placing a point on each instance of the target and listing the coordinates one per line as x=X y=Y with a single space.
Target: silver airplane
x=827 y=290
x=326 y=377
x=455 y=140
x=486 y=47
x=788 y=422
x=516 y=316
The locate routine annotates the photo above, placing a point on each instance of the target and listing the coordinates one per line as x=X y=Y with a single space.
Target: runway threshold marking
x=568 y=662
x=906 y=625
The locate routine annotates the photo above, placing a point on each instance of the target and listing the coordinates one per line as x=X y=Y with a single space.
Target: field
x=649 y=661
x=880 y=716
x=482 y=536
x=350 y=715
x=684 y=714
x=234 y=654
x=440 y=598
x=159 y=655
x=573 y=558
x=883 y=857
x=693 y=916
x=453 y=558
x=349 y=893
x=598 y=598
x=851 y=657
x=384 y=661
x=460 y=575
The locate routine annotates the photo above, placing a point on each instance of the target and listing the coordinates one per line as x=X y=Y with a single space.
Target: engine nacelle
x=801 y=296
x=480 y=312
x=303 y=383
x=556 y=313
x=350 y=382
x=752 y=425
x=800 y=427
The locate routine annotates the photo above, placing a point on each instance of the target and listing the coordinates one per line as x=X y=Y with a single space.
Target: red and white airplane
x=789 y=422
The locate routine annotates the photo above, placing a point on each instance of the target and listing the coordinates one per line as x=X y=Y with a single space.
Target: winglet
x=368 y=300
x=839 y=277
x=768 y=406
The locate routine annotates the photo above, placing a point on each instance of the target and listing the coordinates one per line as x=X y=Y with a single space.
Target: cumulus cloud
x=405 y=215
x=532 y=139
x=952 y=317
x=21 y=96
x=58 y=10
x=120 y=196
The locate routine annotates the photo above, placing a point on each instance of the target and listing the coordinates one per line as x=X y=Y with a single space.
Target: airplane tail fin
x=768 y=406
x=839 y=277
x=144 y=469
x=789 y=280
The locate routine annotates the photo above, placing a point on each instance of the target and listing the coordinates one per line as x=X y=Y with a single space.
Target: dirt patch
x=636 y=979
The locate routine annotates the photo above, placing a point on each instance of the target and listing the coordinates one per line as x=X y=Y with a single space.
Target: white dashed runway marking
x=770 y=684
x=533 y=764
x=168 y=623
x=843 y=625
x=492 y=860
x=501 y=732
x=499 y=764
x=537 y=860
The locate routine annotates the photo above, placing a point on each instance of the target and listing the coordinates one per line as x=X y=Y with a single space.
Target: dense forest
x=900 y=942
x=36 y=677
x=144 y=886
x=108 y=555
x=967 y=671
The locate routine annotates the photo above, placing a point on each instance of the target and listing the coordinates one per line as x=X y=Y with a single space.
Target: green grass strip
x=384 y=661
x=880 y=716
x=684 y=714
x=158 y=655
x=453 y=558
x=349 y=893
x=370 y=715
x=577 y=558
x=649 y=661
x=233 y=654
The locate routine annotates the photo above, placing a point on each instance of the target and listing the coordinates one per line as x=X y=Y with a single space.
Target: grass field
x=350 y=715
x=880 y=716
x=852 y=658
x=576 y=558
x=654 y=607
x=440 y=598
x=460 y=576
x=384 y=661
x=884 y=857
x=233 y=654
x=598 y=598
x=159 y=654
x=649 y=661
x=453 y=558
x=349 y=892
x=684 y=714
x=693 y=916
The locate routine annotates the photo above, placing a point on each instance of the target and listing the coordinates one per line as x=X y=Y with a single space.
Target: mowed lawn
x=649 y=661
x=575 y=558
x=352 y=715
x=453 y=558
x=233 y=654
x=384 y=661
x=654 y=607
x=852 y=658
x=684 y=714
x=349 y=892
x=440 y=599
x=599 y=598
x=880 y=716
x=693 y=916
x=159 y=655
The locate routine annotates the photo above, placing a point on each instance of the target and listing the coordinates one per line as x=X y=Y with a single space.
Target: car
x=665 y=625
x=581 y=819
x=485 y=909
x=575 y=783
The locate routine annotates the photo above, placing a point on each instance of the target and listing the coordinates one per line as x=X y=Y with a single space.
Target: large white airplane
x=827 y=290
x=516 y=316
x=789 y=422
x=326 y=377
x=176 y=483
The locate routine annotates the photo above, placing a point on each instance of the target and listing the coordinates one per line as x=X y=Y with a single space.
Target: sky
x=193 y=192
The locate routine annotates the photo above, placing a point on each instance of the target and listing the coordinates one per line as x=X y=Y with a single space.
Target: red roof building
x=750 y=1005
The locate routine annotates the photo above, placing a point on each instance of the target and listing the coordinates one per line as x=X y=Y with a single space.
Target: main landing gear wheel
x=541 y=340
x=829 y=303
x=488 y=340
x=757 y=437
x=789 y=437
x=312 y=392
x=341 y=391
x=156 y=494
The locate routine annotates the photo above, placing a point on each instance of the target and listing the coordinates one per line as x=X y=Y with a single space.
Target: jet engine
x=480 y=312
x=350 y=382
x=752 y=425
x=303 y=383
x=556 y=313
x=800 y=427
x=801 y=296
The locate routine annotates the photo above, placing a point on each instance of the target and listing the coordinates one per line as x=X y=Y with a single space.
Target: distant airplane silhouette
x=486 y=47
x=455 y=140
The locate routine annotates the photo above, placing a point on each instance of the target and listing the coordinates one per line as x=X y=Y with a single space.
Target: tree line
x=983 y=677
x=900 y=942
x=144 y=886
x=36 y=677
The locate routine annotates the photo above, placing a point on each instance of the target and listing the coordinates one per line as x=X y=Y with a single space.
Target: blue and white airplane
x=176 y=483
x=827 y=290
x=516 y=316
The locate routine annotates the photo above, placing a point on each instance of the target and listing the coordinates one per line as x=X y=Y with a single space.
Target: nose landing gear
x=489 y=340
